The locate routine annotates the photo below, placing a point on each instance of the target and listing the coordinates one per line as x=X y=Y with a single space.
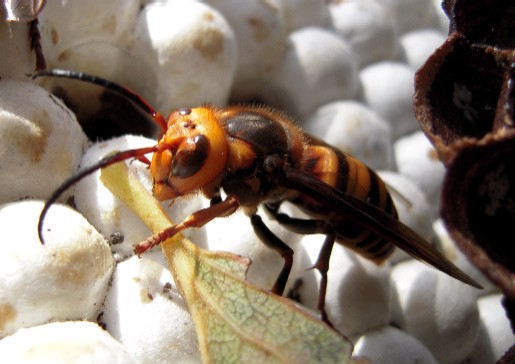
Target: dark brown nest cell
x=464 y=102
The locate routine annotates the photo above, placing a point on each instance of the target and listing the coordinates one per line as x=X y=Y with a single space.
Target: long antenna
x=104 y=162
x=110 y=85
x=111 y=159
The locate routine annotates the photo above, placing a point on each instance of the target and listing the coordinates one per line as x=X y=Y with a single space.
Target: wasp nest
x=464 y=103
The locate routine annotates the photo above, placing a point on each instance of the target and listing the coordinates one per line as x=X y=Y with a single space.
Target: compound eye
x=187 y=162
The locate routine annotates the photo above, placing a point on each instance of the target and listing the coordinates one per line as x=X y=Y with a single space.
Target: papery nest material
x=464 y=102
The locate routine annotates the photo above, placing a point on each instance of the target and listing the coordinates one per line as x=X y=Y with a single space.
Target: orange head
x=191 y=155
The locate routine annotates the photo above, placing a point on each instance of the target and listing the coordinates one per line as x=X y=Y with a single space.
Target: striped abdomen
x=350 y=176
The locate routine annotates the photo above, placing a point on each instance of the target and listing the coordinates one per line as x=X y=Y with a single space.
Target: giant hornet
x=259 y=156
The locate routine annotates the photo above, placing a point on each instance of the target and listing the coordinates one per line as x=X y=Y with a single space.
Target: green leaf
x=234 y=320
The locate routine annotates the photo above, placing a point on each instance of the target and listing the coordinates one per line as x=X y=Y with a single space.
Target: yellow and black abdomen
x=350 y=176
